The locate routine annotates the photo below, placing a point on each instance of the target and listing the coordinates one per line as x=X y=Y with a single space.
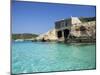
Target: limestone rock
x=84 y=29
x=50 y=35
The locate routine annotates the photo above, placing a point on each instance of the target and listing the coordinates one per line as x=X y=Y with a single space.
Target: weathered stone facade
x=75 y=30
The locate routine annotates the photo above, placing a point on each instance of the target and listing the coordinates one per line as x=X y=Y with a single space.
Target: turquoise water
x=28 y=57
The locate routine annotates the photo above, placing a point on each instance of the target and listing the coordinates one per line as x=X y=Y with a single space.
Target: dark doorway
x=66 y=33
x=59 y=34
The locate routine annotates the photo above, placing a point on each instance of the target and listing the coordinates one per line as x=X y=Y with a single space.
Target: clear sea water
x=30 y=57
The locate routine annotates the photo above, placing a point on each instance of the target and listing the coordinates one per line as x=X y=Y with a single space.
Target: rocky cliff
x=50 y=35
x=84 y=29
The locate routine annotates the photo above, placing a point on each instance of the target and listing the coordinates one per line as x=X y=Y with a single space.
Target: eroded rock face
x=50 y=35
x=86 y=30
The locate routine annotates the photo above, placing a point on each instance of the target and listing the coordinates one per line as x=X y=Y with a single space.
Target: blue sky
x=36 y=17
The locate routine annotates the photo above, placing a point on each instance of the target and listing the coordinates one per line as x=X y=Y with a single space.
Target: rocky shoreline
x=70 y=31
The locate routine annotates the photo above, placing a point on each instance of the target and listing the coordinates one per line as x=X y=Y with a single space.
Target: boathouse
x=63 y=27
x=72 y=30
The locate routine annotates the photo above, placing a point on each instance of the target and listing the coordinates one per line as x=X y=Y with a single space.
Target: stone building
x=63 y=27
x=74 y=29
x=70 y=30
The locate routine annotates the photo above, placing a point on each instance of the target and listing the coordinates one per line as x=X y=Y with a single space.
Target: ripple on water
x=31 y=57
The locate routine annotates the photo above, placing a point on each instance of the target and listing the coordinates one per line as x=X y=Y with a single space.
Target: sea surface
x=32 y=57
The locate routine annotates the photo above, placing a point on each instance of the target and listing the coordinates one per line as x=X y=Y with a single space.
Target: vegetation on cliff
x=23 y=36
x=87 y=19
